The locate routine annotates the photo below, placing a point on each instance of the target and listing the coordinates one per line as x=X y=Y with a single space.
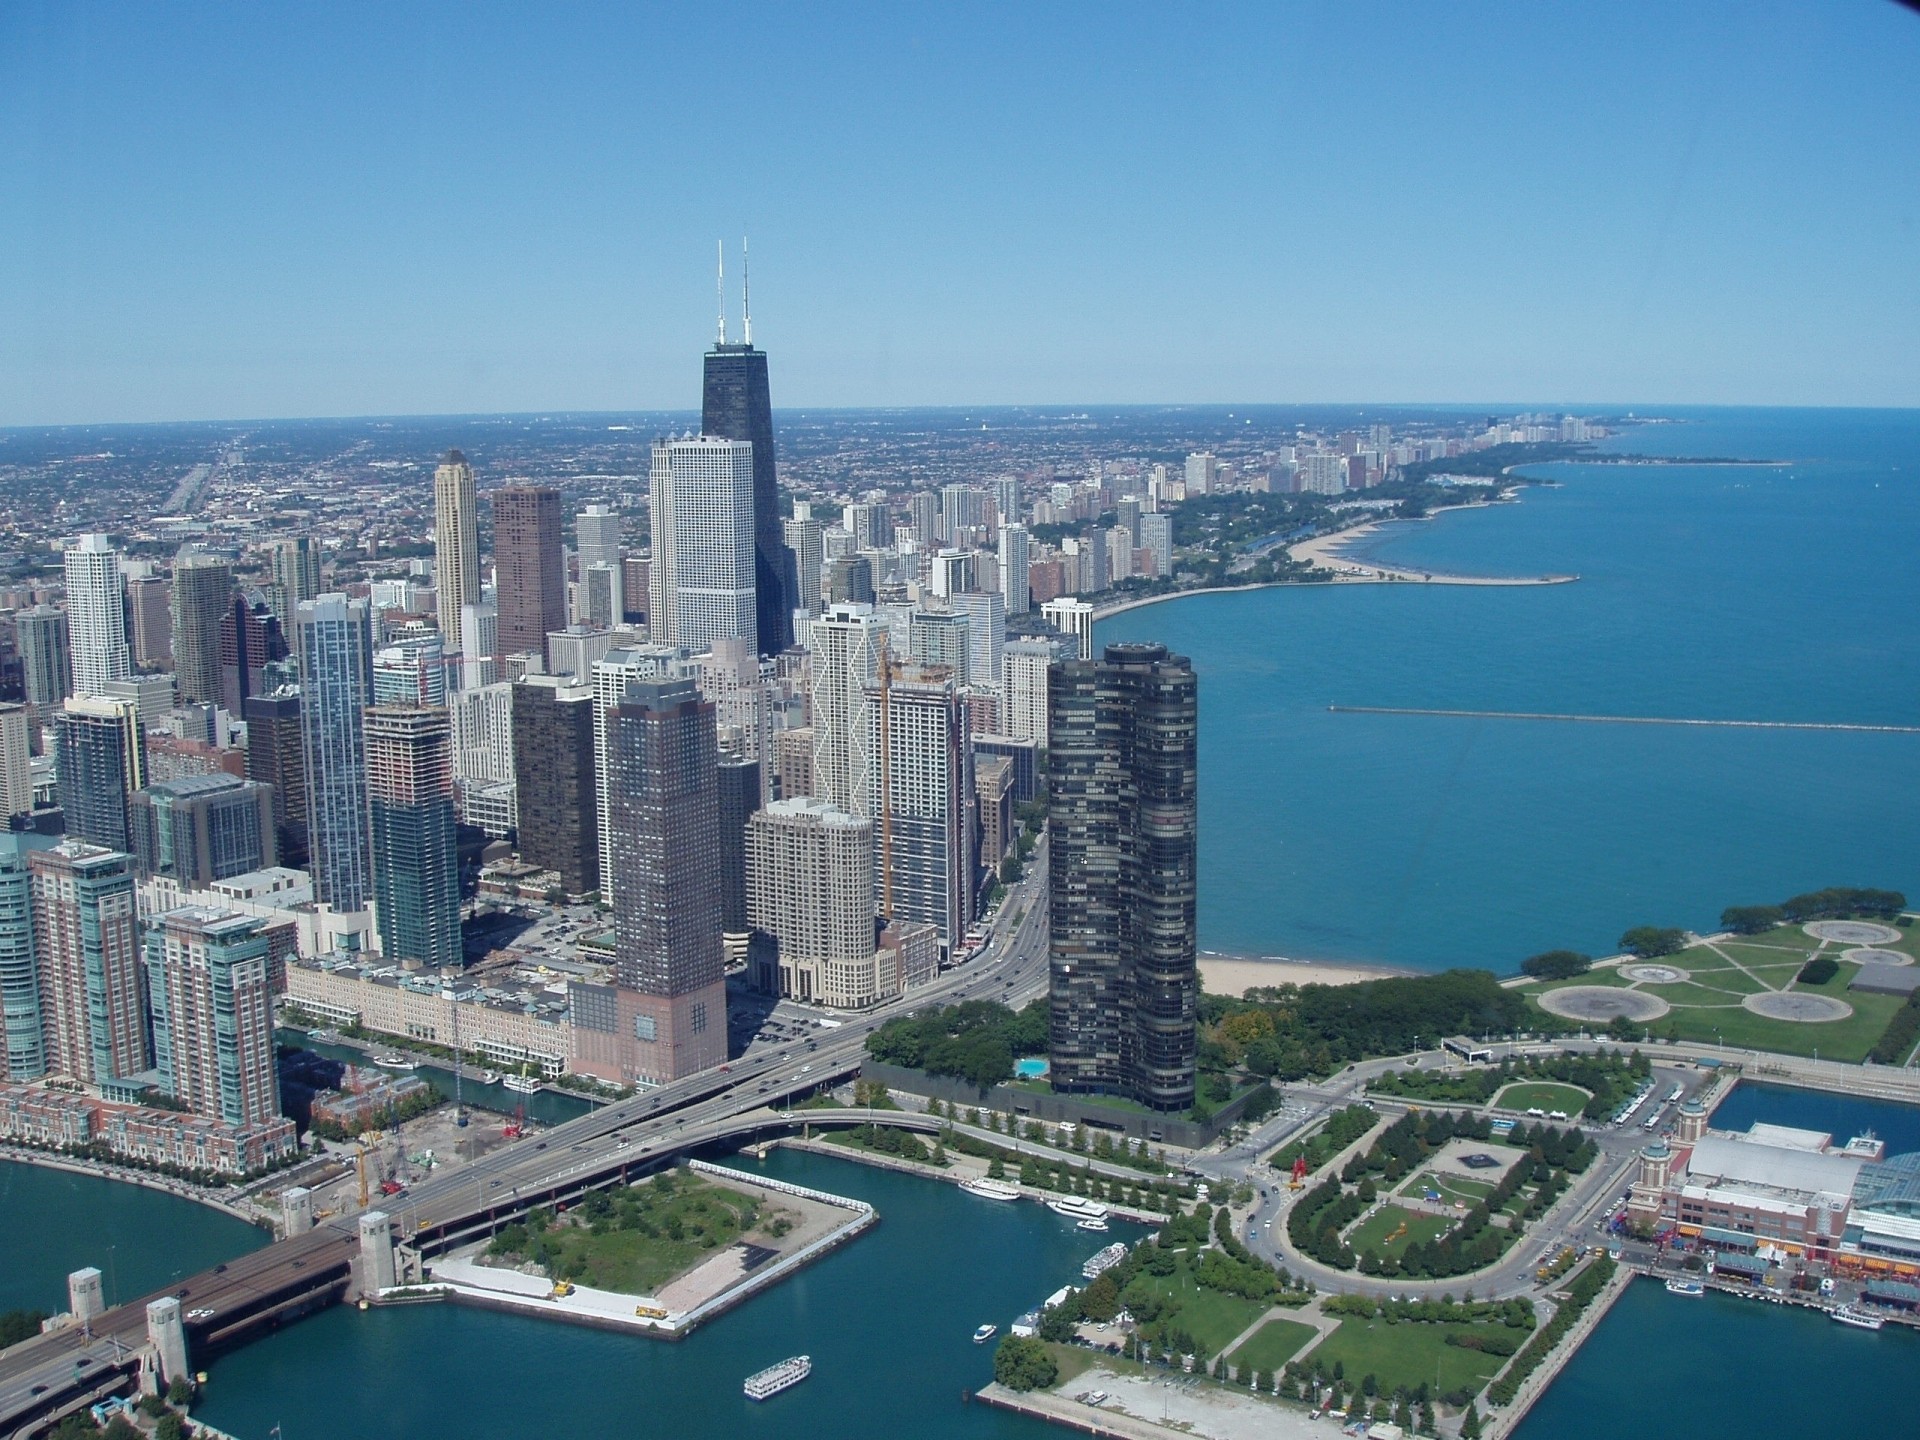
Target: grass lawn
x=1383 y=1232
x=1452 y=1187
x=1272 y=1345
x=1707 y=1010
x=1212 y=1317
x=650 y=1236
x=1405 y=1354
x=1545 y=1095
x=1076 y=1360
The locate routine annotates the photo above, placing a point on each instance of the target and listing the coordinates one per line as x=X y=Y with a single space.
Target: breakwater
x=1624 y=719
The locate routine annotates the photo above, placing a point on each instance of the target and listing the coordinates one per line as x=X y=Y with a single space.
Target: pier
x=1626 y=719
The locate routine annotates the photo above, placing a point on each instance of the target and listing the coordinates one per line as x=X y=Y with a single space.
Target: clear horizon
x=453 y=209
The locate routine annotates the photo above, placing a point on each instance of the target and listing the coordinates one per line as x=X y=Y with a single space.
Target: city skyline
x=1149 y=208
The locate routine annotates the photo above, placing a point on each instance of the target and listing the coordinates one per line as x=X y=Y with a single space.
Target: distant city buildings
x=1122 y=819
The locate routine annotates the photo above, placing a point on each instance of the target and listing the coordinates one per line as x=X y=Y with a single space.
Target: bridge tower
x=296 y=1206
x=83 y=1295
x=376 y=1252
x=168 y=1337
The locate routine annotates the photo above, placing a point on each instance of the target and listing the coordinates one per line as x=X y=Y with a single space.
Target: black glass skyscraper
x=1121 y=822
x=735 y=405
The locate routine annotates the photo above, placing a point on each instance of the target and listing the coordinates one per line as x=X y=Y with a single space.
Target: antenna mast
x=746 y=299
x=720 y=286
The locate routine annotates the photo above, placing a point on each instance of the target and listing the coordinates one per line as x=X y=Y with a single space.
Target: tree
x=180 y=1392
x=1556 y=965
x=18 y=1325
x=1751 y=919
x=1023 y=1363
x=1470 y=1423
x=170 y=1427
x=1649 y=942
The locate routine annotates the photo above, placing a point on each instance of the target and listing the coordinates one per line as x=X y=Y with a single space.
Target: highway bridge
x=53 y=1374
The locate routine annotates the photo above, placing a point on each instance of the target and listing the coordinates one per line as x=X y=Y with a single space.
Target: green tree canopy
x=1023 y=1363
x=1651 y=941
x=1556 y=965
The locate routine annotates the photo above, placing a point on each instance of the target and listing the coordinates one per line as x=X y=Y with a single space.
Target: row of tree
x=1608 y=1076
x=976 y=1040
x=1834 y=902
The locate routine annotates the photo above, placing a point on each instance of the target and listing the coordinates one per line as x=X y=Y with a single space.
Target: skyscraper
x=596 y=534
x=96 y=614
x=336 y=685
x=202 y=590
x=735 y=405
x=296 y=570
x=456 y=543
x=1015 y=557
x=1023 y=687
x=1121 y=811
x=939 y=637
x=23 y=1054
x=479 y=644
x=850 y=580
x=150 y=608
x=99 y=760
x=276 y=757
x=803 y=535
x=529 y=568
x=923 y=799
x=411 y=671
x=847 y=642
x=251 y=640
x=667 y=913
x=16 y=763
x=1074 y=620
x=810 y=888
x=46 y=655
x=416 y=858
x=93 y=997
x=986 y=634
x=210 y=988
x=553 y=734
x=704 y=562
x=739 y=791
x=1156 y=535
x=611 y=676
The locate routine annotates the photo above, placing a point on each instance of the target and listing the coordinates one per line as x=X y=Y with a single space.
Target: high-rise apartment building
x=1203 y=472
x=16 y=763
x=963 y=510
x=46 y=655
x=704 y=557
x=96 y=614
x=600 y=598
x=850 y=580
x=735 y=405
x=456 y=544
x=1023 y=687
x=1016 y=554
x=1074 y=620
x=93 y=996
x=210 y=987
x=529 y=568
x=940 y=638
x=804 y=540
x=416 y=858
x=923 y=513
x=553 y=769
x=23 y=1053
x=923 y=798
x=150 y=609
x=739 y=791
x=1156 y=537
x=986 y=633
x=870 y=526
x=411 y=671
x=202 y=828
x=810 y=890
x=847 y=643
x=611 y=676
x=1121 y=813
x=1006 y=500
x=296 y=576
x=277 y=759
x=334 y=644
x=252 y=643
x=479 y=644
x=666 y=1015
x=99 y=760
x=202 y=591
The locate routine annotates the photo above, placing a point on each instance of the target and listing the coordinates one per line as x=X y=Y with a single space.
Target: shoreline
x=27 y=1156
x=1236 y=974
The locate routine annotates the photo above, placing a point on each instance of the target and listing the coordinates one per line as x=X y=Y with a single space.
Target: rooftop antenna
x=746 y=299
x=720 y=286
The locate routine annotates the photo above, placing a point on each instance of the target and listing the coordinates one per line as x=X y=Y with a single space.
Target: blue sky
x=229 y=211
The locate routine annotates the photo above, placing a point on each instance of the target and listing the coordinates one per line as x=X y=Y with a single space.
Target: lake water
x=1779 y=593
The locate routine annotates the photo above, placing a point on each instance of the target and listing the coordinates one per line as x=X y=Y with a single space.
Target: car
x=201 y=1313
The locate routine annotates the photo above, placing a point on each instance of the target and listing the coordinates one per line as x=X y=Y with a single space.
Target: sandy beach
x=1237 y=974
x=1326 y=552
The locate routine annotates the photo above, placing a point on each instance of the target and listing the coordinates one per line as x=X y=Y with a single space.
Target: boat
x=1094 y=1222
x=489 y=1077
x=1102 y=1261
x=1859 y=1319
x=765 y=1384
x=985 y=1333
x=1685 y=1287
x=991 y=1189
x=389 y=1060
x=1074 y=1208
x=521 y=1085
